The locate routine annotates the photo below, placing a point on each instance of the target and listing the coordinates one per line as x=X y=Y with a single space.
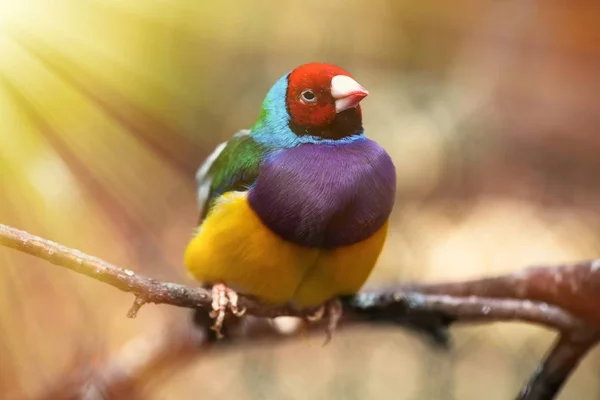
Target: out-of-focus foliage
x=488 y=108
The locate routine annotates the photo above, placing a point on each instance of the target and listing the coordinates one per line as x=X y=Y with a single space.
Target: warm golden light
x=13 y=12
x=108 y=107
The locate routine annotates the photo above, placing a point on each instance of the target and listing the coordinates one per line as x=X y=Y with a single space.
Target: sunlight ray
x=142 y=124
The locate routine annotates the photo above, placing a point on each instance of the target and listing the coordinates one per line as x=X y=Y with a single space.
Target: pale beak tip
x=346 y=92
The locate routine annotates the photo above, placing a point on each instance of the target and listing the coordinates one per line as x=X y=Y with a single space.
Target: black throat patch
x=347 y=123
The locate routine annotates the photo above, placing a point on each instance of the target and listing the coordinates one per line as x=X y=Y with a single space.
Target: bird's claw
x=333 y=309
x=223 y=298
x=317 y=316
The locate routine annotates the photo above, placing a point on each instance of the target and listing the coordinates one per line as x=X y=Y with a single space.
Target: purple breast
x=325 y=195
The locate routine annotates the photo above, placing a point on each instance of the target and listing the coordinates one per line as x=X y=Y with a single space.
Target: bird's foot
x=333 y=310
x=317 y=316
x=223 y=298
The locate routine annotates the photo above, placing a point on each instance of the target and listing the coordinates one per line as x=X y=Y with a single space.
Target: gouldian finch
x=294 y=210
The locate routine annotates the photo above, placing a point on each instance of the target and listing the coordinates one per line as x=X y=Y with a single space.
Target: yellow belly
x=234 y=247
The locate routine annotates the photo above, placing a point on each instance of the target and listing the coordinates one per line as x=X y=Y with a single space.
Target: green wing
x=232 y=166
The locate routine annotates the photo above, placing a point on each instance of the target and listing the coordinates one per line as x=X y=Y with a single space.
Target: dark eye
x=308 y=96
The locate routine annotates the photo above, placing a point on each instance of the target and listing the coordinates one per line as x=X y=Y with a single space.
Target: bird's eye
x=308 y=96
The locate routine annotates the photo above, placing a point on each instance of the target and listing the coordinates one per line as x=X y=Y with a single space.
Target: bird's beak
x=346 y=92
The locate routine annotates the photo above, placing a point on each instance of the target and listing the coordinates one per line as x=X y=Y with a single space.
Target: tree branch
x=146 y=290
x=555 y=297
x=560 y=362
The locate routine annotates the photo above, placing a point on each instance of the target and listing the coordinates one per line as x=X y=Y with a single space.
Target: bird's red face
x=318 y=92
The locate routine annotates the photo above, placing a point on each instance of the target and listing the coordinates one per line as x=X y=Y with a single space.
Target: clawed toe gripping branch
x=561 y=297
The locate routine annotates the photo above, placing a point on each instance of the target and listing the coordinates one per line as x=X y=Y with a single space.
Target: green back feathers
x=237 y=167
x=233 y=167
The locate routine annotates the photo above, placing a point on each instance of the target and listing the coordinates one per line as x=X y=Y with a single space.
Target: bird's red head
x=318 y=93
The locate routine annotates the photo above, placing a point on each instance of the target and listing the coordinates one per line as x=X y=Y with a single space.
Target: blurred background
x=489 y=109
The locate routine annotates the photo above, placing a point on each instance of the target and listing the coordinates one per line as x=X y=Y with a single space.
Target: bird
x=295 y=210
